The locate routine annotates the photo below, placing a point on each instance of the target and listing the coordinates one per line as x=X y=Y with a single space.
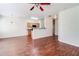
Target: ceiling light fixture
x=35 y=18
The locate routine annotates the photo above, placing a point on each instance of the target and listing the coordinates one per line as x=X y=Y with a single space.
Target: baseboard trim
x=13 y=37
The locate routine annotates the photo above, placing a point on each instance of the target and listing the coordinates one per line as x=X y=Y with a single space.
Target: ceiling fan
x=38 y=5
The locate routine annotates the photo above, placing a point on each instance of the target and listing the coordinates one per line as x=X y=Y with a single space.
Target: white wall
x=49 y=25
x=69 y=26
x=12 y=27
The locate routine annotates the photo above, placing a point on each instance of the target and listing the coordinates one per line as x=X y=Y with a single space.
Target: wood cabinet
x=29 y=32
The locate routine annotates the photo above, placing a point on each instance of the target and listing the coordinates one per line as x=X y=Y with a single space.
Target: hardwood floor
x=25 y=46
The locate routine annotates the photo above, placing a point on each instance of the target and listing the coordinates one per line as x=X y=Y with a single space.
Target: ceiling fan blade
x=32 y=8
x=45 y=3
x=41 y=8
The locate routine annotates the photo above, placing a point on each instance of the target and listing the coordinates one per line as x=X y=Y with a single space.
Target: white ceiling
x=22 y=9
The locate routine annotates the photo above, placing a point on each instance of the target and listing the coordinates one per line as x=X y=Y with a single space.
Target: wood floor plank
x=25 y=46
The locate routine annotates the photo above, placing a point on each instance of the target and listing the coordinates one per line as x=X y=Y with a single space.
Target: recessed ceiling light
x=55 y=16
x=35 y=18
